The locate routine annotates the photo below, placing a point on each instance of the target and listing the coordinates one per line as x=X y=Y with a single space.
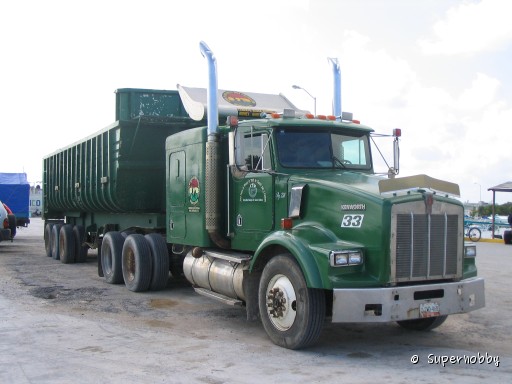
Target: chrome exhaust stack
x=212 y=168
x=336 y=99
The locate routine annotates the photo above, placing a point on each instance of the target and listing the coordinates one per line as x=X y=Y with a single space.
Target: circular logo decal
x=253 y=190
x=238 y=98
x=193 y=190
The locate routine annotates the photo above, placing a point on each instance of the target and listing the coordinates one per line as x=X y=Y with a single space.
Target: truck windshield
x=322 y=149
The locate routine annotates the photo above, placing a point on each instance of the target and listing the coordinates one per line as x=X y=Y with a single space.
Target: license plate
x=429 y=310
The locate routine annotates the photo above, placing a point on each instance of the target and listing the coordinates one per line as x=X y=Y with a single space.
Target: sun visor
x=418 y=182
x=234 y=103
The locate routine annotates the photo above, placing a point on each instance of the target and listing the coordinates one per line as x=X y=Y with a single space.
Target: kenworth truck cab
x=276 y=210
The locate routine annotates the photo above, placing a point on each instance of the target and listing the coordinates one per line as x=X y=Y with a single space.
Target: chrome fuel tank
x=218 y=275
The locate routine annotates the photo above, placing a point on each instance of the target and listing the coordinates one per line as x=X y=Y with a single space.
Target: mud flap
x=251 y=286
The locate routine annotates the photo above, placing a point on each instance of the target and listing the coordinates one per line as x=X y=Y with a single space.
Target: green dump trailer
x=121 y=169
x=275 y=210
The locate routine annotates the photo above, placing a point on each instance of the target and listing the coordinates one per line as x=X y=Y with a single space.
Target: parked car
x=8 y=223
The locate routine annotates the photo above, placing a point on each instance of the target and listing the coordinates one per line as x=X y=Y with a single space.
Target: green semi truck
x=276 y=210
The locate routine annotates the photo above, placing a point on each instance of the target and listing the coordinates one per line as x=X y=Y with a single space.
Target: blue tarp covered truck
x=14 y=192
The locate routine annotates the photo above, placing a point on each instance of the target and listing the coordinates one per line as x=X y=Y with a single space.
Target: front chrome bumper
x=407 y=302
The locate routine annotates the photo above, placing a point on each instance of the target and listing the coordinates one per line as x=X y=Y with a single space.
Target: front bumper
x=375 y=305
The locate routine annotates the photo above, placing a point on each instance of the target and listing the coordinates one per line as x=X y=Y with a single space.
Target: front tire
x=292 y=314
x=425 y=324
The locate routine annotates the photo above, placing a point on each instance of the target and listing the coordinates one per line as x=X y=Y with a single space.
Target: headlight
x=345 y=258
x=470 y=250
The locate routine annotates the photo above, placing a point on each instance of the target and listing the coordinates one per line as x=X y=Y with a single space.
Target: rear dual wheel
x=136 y=263
x=159 y=261
x=142 y=262
x=67 y=244
x=55 y=243
x=48 y=239
x=111 y=252
x=80 y=249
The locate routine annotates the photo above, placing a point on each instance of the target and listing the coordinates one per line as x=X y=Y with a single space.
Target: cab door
x=252 y=213
x=176 y=219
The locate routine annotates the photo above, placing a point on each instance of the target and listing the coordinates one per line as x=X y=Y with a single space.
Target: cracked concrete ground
x=61 y=323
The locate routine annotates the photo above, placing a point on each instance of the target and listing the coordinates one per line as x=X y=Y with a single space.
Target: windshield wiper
x=336 y=160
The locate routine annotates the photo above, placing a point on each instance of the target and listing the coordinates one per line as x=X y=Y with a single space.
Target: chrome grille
x=427 y=246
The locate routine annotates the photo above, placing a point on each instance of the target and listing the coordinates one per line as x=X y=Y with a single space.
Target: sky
x=438 y=69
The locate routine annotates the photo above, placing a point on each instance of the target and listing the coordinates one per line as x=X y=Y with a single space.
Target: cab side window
x=252 y=150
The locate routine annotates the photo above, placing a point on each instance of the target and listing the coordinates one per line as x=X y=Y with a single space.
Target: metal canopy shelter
x=505 y=187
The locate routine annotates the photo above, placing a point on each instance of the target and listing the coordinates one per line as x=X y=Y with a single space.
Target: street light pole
x=480 y=201
x=310 y=95
x=480 y=193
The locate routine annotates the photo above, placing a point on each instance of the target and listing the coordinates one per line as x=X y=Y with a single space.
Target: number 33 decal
x=352 y=221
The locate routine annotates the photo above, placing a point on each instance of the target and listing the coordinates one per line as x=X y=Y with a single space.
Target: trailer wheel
x=159 y=261
x=80 y=250
x=111 y=254
x=67 y=244
x=11 y=219
x=292 y=314
x=137 y=263
x=55 y=241
x=48 y=239
x=425 y=324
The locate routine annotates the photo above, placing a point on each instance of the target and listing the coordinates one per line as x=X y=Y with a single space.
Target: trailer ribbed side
x=121 y=168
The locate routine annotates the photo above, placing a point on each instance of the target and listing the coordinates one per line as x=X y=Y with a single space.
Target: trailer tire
x=67 y=244
x=80 y=250
x=159 y=261
x=292 y=314
x=48 y=239
x=137 y=263
x=11 y=219
x=111 y=257
x=55 y=241
x=426 y=324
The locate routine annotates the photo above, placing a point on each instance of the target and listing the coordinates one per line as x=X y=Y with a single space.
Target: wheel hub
x=276 y=302
x=281 y=302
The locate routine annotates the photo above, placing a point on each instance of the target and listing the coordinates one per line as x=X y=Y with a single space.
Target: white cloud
x=60 y=75
x=470 y=28
x=482 y=93
x=456 y=135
